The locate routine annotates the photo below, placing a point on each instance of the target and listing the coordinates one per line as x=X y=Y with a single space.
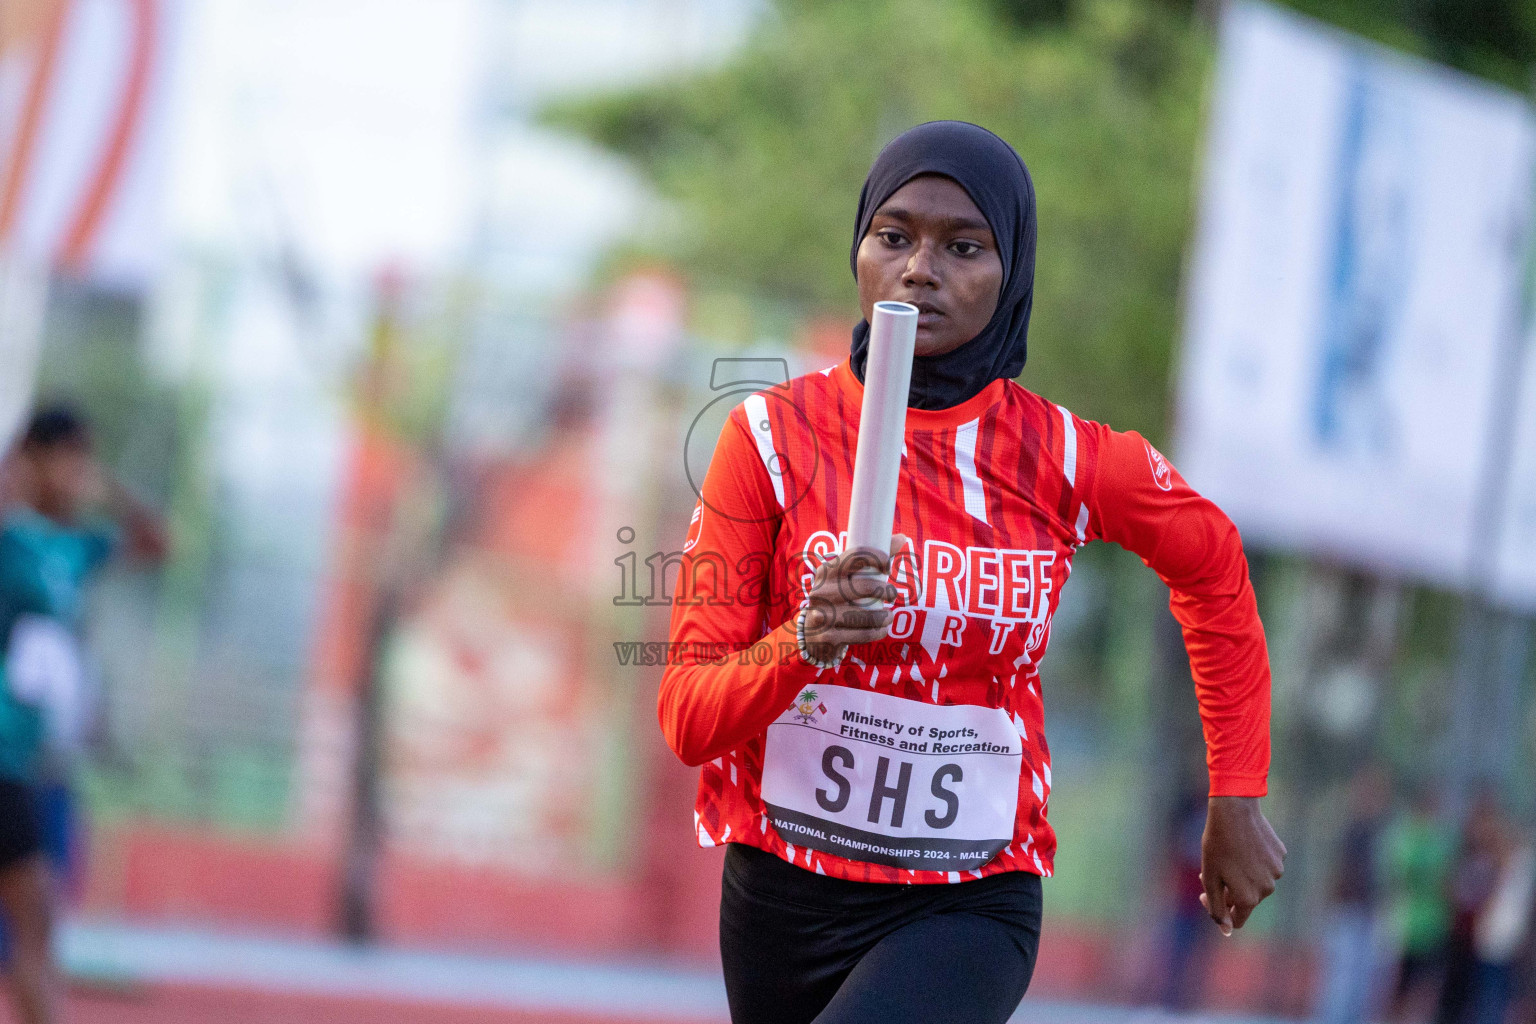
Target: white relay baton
x=882 y=433
x=882 y=426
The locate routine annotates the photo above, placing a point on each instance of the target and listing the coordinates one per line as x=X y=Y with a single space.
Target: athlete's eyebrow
x=946 y=223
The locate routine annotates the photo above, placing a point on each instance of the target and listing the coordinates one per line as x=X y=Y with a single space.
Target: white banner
x=1354 y=293
x=1514 y=561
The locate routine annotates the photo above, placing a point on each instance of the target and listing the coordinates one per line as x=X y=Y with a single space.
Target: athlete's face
x=929 y=245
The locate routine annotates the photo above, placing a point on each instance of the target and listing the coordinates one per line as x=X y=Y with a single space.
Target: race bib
x=876 y=778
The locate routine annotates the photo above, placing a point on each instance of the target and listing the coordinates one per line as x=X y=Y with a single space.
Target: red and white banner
x=84 y=91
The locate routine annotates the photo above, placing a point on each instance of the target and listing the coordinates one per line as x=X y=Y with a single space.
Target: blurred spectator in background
x=1503 y=923
x=1188 y=925
x=1417 y=861
x=1353 y=960
x=1474 y=880
x=64 y=517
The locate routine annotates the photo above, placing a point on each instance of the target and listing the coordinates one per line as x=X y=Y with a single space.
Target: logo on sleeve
x=695 y=527
x=1162 y=474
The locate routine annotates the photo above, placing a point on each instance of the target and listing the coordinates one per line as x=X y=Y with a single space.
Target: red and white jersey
x=923 y=758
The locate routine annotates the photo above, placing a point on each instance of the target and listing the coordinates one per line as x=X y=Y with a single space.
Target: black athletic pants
x=800 y=947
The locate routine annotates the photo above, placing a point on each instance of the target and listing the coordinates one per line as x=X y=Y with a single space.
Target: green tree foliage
x=763 y=157
x=1495 y=39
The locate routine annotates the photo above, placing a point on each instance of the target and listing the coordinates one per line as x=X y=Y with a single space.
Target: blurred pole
x=1511 y=654
x=1468 y=716
x=1174 y=767
x=381 y=568
x=23 y=305
x=1493 y=652
x=1176 y=731
x=365 y=839
x=1130 y=609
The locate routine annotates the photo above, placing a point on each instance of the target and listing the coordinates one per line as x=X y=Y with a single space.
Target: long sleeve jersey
x=922 y=758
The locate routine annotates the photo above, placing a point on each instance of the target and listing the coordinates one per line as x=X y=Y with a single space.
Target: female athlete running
x=886 y=817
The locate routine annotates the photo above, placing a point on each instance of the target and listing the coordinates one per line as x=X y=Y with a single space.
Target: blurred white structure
x=1514 y=547
x=1355 y=301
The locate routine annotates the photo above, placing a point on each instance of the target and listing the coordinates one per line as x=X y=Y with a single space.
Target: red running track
x=198 y=1005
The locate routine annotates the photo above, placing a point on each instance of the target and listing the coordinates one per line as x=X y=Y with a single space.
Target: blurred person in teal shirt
x=64 y=517
x=1417 y=859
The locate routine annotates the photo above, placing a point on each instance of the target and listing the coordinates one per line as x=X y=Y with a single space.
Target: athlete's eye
x=890 y=237
x=964 y=248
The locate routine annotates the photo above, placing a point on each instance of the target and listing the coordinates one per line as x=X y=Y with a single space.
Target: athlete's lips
x=928 y=315
x=925 y=309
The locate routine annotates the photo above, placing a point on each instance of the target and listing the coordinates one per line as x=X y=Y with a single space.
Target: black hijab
x=999 y=184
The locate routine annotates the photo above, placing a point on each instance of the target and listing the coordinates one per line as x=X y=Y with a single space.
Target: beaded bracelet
x=805 y=606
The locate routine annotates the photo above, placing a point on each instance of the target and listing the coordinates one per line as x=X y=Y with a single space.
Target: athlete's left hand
x=1241 y=859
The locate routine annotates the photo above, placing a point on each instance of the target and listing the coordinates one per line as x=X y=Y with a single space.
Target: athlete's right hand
x=850 y=601
x=1241 y=859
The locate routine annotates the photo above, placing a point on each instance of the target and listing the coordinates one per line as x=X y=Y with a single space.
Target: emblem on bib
x=809 y=706
x=872 y=777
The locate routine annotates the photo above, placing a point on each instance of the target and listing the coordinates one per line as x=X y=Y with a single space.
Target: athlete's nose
x=920 y=272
